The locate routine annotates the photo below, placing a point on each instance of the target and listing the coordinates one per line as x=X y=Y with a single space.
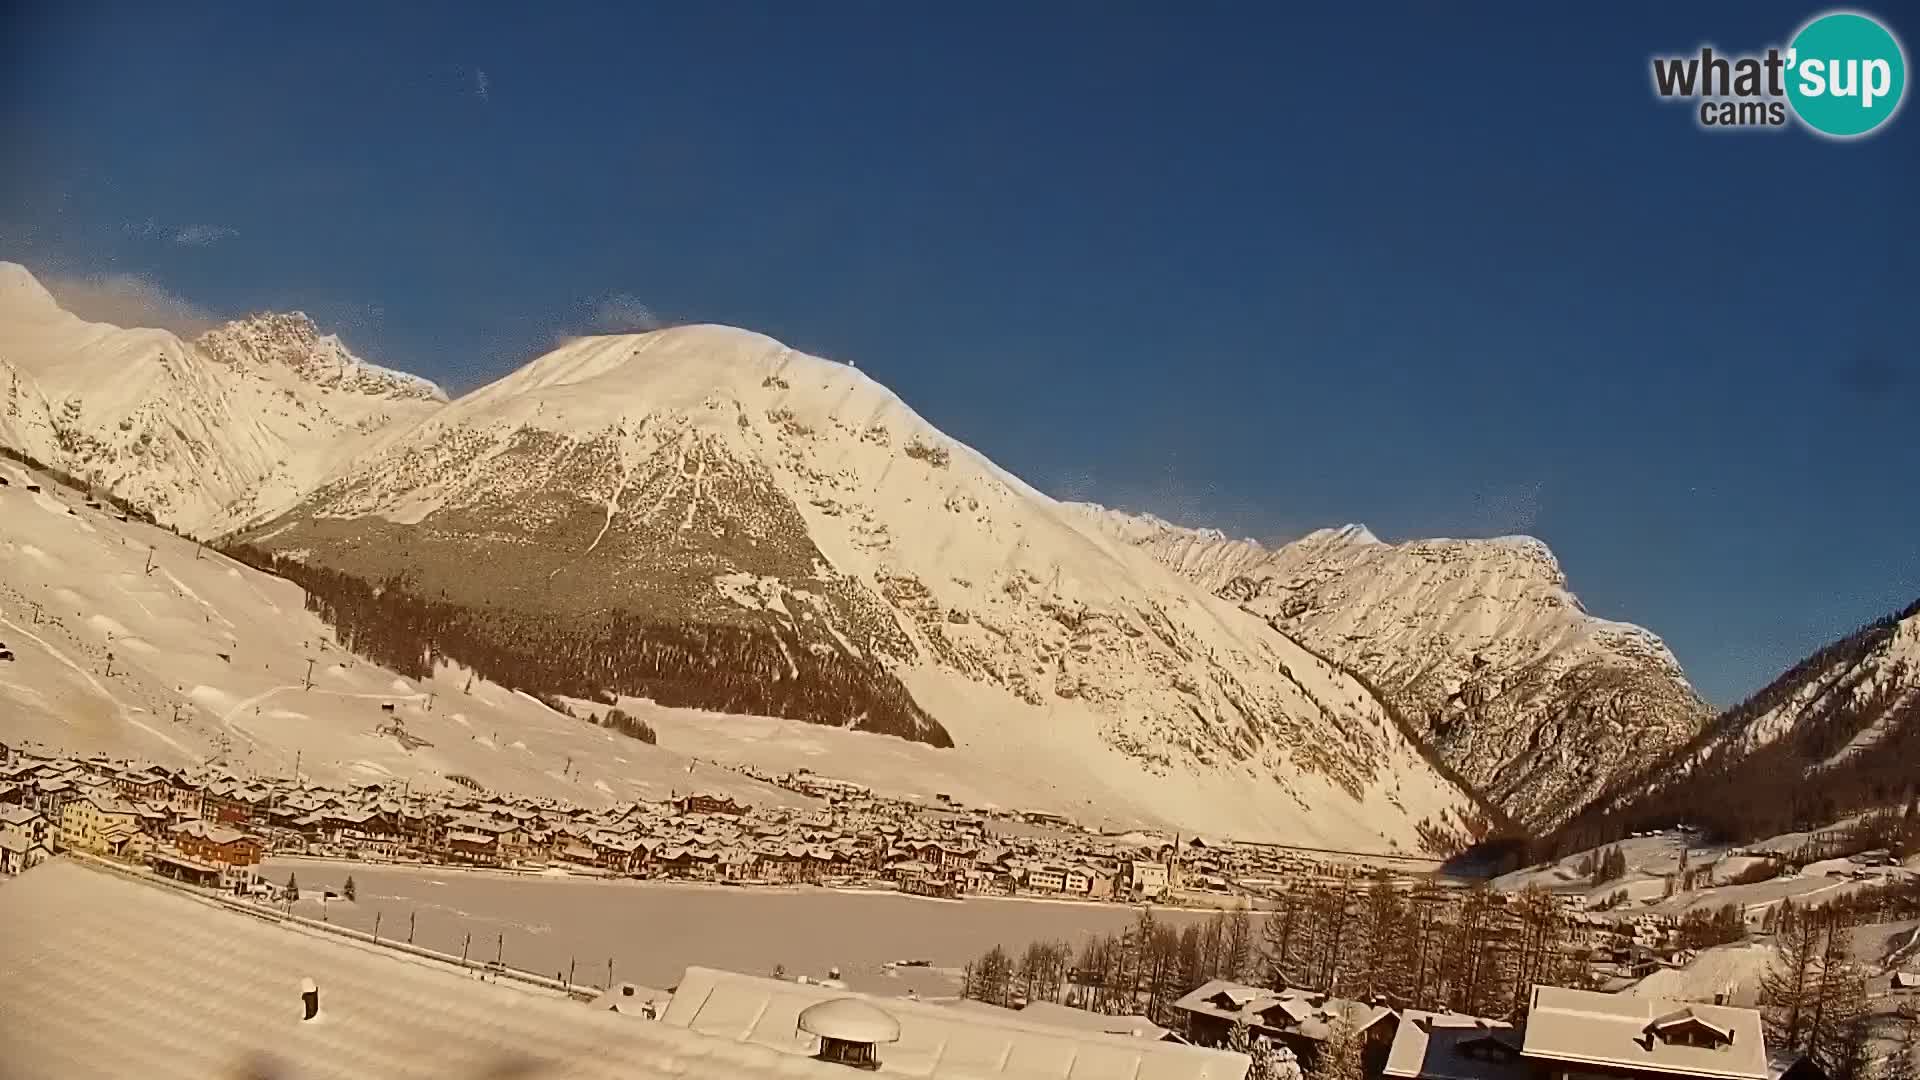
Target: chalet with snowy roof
x=1301 y=1019
x=477 y=848
x=1454 y=1046
x=232 y=802
x=139 y=785
x=216 y=844
x=50 y=795
x=19 y=854
x=1576 y=1034
x=707 y=802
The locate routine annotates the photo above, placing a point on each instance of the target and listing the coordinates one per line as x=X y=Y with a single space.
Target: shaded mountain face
x=202 y=434
x=1838 y=734
x=1478 y=644
x=707 y=519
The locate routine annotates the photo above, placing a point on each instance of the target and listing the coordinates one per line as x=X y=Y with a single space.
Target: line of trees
x=1611 y=865
x=1477 y=952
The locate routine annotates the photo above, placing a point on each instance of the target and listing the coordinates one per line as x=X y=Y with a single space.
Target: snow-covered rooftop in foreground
x=936 y=1041
x=106 y=976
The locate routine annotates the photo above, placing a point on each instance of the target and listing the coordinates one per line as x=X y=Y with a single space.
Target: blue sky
x=1445 y=274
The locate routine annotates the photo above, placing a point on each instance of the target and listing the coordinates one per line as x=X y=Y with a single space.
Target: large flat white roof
x=1585 y=1027
x=937 y=1041
x=102 y=975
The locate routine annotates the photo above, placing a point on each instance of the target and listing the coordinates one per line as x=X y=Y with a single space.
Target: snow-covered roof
x=1620 y=1031
x=935 y=1041
x=111 y=976
x=1454 y=1046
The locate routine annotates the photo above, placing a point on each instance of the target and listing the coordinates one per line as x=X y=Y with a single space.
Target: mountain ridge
x=1834 y=735
x=203 y=433
x=1480 y=643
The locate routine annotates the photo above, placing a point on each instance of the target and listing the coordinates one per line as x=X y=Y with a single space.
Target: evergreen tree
x=1274 y=1061
x=1837 y=1034
x=1279 y=942
x=1340 y=1056
x=1789 y=985
x=1237 y=947
x=993 y=977
x=1381 y=947
x=1537 y=950
x=1426 y=916
x=1192 y=970
x=1240 y=1036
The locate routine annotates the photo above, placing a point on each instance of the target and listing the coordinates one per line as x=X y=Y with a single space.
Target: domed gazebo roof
x=849 y=1020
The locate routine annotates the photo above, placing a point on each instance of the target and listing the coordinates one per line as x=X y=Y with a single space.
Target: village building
x=31 y=827
x=104 y=825
x=1144 y=880
x=707 y=802
x=216 y=844
x=1454 y=1046
x=1300 y=1019
x=1578 y=1034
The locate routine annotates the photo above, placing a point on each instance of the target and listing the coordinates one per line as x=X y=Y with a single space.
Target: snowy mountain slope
x=202 y=657
x=1478 y=643
x=704 y=517
x=204 y=434
x=1855 y=692
x=1837 y=734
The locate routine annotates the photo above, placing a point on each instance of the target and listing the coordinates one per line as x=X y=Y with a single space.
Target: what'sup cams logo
x=1842 y=76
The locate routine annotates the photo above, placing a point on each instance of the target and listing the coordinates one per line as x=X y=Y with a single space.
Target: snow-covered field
x=1652 y=859
x=654 y=930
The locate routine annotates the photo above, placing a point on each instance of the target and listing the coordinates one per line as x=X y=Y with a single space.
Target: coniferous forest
x=725 y=668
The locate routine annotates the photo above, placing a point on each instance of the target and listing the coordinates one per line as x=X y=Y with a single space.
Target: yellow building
x=102 y=824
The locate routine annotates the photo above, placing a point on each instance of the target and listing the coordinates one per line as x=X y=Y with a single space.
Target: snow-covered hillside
x=1862 y=691
x=1837 y=735
x=706 y=517
x=203 y=434
x=1478 y=643
x=200 y=657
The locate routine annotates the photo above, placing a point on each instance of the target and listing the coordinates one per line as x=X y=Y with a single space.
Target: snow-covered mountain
x=204 y=434
x=1837 y=734
x=131 y=641
x=707 y=519
x=1478 y=643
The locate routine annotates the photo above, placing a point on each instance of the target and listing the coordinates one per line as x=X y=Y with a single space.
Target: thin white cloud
x=202 y=235
x=127 y=300
x=482 y=86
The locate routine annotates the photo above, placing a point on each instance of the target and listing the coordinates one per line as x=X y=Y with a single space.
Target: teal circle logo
x=1846 y=74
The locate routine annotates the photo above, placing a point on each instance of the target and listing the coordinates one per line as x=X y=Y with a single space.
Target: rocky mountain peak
x=1478 y=644
x=291 y=340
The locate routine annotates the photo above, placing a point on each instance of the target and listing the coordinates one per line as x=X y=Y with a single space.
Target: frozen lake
x=652 y=930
